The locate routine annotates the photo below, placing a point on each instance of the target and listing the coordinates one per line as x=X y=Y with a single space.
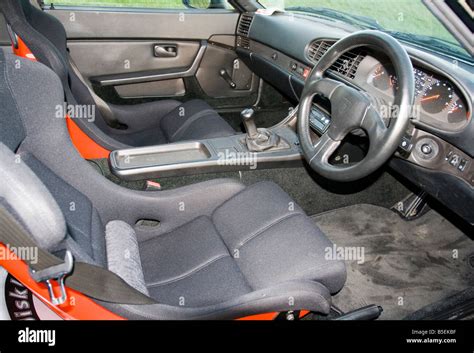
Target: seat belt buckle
x=57 y=273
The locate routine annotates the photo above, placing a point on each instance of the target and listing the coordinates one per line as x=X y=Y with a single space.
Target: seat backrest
x=18 y=14
x=42 y=201
x=30 y=202
x=46 y=37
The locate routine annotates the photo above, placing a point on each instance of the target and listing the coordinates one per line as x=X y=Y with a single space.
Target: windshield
x=408 y=20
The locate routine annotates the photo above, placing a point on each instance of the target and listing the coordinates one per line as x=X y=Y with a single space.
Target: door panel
x=133 y=23
x=117 y=57
x=115 y=51
x=166 y=88
x=210 y=78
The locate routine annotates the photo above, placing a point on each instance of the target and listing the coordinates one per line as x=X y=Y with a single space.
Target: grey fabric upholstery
x=24 y=193
x=302 y=294
x=123 y=257
x=147 y=124
x=169 y=121
x=13 y=136
x=257 y=239
x=190 y=263
x=274 y=239
x=194 y=120
x=85 y=231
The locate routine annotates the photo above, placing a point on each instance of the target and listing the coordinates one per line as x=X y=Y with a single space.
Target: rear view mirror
x=204 y=4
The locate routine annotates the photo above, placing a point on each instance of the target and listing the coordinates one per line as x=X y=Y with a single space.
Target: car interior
x=233 y=161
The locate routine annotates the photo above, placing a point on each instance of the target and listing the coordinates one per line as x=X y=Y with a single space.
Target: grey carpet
x=315 y=194
x=408 y=261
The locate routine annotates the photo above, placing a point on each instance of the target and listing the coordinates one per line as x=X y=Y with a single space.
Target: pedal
x=413 y=206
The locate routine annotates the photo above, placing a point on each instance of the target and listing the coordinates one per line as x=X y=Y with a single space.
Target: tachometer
x=437 y=97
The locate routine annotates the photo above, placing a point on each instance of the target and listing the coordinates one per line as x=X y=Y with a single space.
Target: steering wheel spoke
x=323 y=149
x=374 y=126
x=324 y=86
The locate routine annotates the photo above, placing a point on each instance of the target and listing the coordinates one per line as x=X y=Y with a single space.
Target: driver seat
x=222 y=250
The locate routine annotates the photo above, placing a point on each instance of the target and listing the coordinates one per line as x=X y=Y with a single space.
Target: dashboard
x=438 y=148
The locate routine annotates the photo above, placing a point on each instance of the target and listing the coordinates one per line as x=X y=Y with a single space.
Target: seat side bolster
x=291 y=295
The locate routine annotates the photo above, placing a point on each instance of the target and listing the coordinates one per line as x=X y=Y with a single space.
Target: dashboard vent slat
x=243 y=42
x=346 y=65
x=245 y=22
x=317 y=49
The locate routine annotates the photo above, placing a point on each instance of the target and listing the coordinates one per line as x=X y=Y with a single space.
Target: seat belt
x=93 y=281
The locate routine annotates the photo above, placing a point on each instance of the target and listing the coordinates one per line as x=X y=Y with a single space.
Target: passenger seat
x=114 y=126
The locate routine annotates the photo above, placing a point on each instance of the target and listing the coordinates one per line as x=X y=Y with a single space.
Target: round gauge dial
x=457 y=112
x=382 y=79
x=437 y=97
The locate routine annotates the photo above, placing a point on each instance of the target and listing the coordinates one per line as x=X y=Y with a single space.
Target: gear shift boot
x=259 y=140
x=264 y=140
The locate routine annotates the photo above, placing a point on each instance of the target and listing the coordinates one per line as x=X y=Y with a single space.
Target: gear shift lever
x=247 y=116
x=258 y=140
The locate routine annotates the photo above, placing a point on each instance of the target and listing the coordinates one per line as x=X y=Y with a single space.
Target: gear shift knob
x=247 y=116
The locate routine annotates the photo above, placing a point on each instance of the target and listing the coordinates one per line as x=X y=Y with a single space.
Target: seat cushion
x=258 y=239
x=194 y=120
x=191 y=266
x=274 y=240
x=168 y=121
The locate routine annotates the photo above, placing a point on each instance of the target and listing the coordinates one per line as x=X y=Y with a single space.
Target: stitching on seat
x=232 y=256
x=246 y=188
x=318 y=269
x=189 y=273
x=253 y=236
x=191 y=120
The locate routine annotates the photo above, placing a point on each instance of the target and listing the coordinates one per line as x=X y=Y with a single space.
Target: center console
x=258 y=149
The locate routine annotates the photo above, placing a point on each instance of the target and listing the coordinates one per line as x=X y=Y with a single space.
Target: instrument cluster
x=439 y=101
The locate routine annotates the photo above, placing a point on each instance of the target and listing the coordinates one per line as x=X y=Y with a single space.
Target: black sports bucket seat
x=221 y=250
x=151 y=123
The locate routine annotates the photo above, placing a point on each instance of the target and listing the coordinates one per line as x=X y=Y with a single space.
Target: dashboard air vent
x=243 y=42
x=346 y=65
x=317 y=49
x=244 y=25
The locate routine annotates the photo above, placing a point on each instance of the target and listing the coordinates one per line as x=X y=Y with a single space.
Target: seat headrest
x=28 y=23
x=30 y=201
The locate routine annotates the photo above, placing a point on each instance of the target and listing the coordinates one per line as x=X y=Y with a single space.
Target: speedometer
x=437 y=97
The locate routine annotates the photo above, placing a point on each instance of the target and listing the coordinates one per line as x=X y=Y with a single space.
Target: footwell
x=406 y=265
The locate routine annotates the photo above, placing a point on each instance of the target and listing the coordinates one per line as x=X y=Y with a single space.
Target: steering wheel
x=352 y=109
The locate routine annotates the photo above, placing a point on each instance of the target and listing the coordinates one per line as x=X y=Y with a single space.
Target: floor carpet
x=407 y=265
